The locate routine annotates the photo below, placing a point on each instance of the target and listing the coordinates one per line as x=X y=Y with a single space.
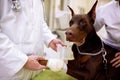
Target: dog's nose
x=69 y=32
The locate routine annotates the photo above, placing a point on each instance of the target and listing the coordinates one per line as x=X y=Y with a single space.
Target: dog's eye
x=82 y=21
x=82 y=24
x=71 y=22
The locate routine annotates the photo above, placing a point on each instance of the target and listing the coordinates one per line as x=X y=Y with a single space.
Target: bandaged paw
x=55 y=64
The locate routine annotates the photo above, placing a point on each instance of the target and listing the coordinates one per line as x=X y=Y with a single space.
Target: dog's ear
x=72 y=12
x=92 y=12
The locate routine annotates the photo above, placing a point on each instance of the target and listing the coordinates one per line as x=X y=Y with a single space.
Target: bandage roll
x=56 y=64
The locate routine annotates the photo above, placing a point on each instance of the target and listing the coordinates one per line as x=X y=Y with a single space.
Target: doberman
x=92 y=56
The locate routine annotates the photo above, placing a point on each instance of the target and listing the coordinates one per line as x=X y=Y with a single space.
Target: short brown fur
x=83 y=35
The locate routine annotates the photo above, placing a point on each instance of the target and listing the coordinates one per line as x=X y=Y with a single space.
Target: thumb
x=40 y=58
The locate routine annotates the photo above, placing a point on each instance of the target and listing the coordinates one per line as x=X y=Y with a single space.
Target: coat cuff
x=13 y=62
x=22 y=59
x=47 y=41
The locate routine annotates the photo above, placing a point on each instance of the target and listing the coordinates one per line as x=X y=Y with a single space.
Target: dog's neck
x=92 y=43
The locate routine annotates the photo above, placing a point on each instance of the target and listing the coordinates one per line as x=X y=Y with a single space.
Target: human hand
x=33 y=63
x=54 y=42
x=116 y=61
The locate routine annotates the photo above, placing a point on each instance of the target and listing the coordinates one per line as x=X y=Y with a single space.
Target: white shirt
x=21 y=33
x=109 y=15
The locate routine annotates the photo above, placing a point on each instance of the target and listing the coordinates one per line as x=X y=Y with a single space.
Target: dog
x=92 y=56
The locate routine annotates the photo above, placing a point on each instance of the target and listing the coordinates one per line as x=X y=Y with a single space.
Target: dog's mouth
x=69 y=38
x=76 y=36
x=75 y=41
x=81 y=42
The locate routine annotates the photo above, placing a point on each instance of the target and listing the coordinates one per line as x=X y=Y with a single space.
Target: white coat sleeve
x=11 y=59
x=99 y=21
x=47 y=34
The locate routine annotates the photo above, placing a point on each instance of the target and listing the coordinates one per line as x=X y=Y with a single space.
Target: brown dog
x=91 y=61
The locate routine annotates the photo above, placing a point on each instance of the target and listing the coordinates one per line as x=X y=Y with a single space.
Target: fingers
x=42 y=64
x=53 y=44
x=117 y=54
x=33 y=63
x=40 y=58
x=42 y=67
x=38 y=66
x=60 y=42
x=116 y=61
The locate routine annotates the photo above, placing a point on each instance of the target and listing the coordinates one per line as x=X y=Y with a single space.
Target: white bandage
x=56 y=64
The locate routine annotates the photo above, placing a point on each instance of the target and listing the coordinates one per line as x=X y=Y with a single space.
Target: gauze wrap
x=58 y=60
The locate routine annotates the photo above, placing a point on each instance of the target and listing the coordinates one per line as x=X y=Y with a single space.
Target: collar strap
x=92 y=54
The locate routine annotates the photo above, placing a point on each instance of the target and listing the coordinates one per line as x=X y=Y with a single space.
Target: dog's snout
x=69 y=32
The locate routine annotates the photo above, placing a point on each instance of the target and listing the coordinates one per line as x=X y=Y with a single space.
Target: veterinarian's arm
x=12 y=59
x=47 y=34
x=49 y=39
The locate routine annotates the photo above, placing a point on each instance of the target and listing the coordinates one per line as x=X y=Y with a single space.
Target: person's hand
x=33 y=64
x=116 y=61
x=54 y=42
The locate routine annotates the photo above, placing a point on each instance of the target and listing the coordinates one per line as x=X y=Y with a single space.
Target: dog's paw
x=56 y=64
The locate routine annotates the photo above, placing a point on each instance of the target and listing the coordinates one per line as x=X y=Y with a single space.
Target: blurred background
x=57 y=14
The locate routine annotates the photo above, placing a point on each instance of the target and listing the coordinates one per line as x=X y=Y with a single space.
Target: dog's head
x=80 y=26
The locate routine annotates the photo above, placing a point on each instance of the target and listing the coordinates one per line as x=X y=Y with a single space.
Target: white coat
x=109 y=15
x=22 y=33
